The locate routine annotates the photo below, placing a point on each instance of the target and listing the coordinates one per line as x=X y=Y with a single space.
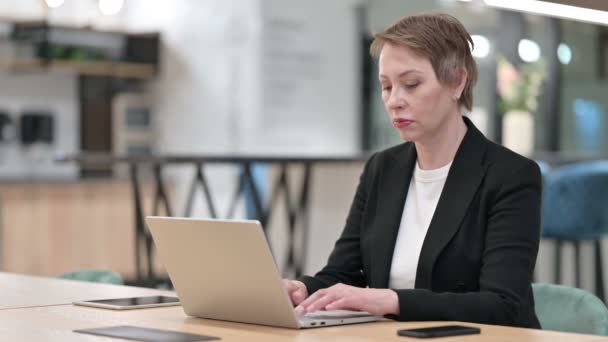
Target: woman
x=445 y=226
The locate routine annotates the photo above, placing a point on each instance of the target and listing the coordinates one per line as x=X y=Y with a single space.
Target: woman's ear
x=461 y=82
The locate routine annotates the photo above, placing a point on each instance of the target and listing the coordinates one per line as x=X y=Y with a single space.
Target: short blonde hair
x=440 y=38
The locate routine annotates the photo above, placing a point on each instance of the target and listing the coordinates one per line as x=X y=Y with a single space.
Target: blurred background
x=111 y=110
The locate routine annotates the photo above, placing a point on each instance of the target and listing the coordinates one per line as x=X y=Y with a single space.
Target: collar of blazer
x=464 y=178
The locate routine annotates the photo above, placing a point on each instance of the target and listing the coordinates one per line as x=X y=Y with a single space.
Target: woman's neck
x=441 y=149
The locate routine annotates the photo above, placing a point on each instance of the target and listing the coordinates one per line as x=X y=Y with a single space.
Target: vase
x=518 y=132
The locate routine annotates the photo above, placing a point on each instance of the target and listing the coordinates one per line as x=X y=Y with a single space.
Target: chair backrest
x=94 y=276
x=569 y=309
x=575 y=202
x=544 y=167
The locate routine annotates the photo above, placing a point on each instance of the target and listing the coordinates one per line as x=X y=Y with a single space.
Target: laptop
x=224 y=270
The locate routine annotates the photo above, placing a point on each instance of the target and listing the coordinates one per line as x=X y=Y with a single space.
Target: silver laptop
x=223 y=269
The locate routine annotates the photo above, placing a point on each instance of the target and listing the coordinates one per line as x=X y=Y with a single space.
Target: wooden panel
x=48 y=229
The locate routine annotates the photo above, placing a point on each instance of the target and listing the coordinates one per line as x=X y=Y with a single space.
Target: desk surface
x=55 y=323
x=35 y=309
x=18 y=291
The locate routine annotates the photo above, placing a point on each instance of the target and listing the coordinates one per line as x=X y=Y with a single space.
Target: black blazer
x=478 y=256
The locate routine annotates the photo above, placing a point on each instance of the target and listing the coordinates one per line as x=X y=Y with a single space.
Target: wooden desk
x=19 y=291
x=55 y=323
x=33 y=311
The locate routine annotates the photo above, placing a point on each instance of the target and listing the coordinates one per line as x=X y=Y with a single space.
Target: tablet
x=129 y=332
x=131 y=302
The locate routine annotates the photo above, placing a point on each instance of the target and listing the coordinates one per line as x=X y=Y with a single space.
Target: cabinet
x=47 y=229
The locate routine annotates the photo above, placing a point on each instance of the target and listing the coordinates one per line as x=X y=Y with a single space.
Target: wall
x=310 y=79
x=56 y=93
x=216 y=87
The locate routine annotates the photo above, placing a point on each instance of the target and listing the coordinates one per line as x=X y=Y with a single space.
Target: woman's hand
x=378 y=302
x=296 y=289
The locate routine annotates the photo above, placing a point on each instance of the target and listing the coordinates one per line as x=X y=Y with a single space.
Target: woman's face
x=417 y=104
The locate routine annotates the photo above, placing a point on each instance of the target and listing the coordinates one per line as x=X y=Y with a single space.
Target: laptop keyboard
x=334 y=314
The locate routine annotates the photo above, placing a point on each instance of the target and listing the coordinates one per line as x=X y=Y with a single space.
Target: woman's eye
x=386 y=88
x=412 y=85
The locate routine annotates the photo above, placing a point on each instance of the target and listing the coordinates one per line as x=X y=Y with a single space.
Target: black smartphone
x=441 y=331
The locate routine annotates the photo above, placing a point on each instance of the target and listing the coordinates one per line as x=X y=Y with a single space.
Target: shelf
x=95 y=68
x=82 y=50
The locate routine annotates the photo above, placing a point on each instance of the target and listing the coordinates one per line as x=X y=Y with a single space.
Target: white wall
x=23 y=9
x=197 y=92
x=225 y=76
x=310 y=80
x=55 y=93
x=41 y=90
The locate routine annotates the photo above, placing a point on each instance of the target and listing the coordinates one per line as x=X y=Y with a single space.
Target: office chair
x=574 y=209
x=545 y=169
x=568 y=309
x=94 y=276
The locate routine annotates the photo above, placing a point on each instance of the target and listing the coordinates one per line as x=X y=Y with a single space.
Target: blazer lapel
x=460 y=187
x=393 y=187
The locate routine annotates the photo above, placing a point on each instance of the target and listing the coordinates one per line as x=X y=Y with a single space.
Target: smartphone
x=440 y=331
x=131 y=302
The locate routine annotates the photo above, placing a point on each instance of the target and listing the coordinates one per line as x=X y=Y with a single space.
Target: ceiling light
x=528 y=50
x=564 y=53
x=54 y=3
x=481 y=46
x=110 y=7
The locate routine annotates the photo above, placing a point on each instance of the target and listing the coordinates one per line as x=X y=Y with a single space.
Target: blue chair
x=260 y=174
x=545 y=168
x=563 y=308
x=95 y=276
x=574 y=210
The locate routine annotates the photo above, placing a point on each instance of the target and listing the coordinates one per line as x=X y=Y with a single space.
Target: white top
x=422 y=197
